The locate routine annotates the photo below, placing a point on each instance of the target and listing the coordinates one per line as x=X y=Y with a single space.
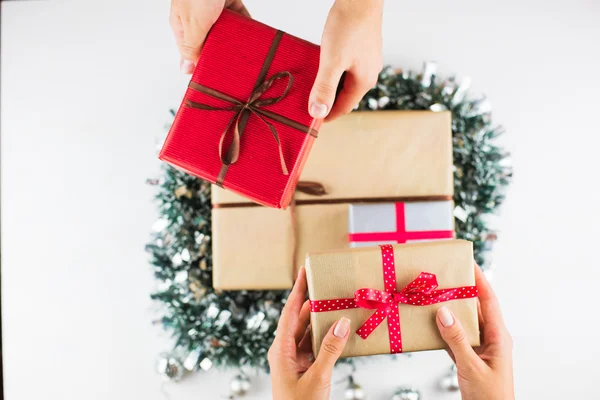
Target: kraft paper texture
x=333 y=275
x=361 y=155
x=252 y=246
x=372 y=154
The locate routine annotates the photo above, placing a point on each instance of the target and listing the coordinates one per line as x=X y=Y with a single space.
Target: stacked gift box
x=370 y=165
x=375 y=183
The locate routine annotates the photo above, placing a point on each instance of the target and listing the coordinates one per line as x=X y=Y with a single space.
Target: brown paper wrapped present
x=372 y=157
x=391 y=295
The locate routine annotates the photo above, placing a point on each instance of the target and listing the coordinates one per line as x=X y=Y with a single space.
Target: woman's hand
x=191 y=20
x=351 y=43
x=294 y=375
x=484 y=372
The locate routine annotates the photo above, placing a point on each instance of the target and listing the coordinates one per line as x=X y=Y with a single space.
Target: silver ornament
x=185 y=255
x=264 y=326
x=354 y=391
x=240 y=384
x=383 y=101
x=176 y=260
x=223 y=318
x=437 y=107
x=206 y=364
x=191 y=361
x=212 y=311
x=449 y=382
x=372 y=104
x=160 y=224
x=460 y=214
x=406 y=393
x=461 y=90
x=180 y=276
x=255 y=320
x=169 y=367
x=429 y=70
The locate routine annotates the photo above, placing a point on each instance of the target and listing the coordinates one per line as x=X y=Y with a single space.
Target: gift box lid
x=378 y=154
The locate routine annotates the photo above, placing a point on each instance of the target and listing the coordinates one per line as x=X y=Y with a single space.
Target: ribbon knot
x=253 y=105
x=420 y=292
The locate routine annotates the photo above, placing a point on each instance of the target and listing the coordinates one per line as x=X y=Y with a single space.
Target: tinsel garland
x=235 y=329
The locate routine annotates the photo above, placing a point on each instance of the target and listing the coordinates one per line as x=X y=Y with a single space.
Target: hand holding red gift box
x=351 y=43
x=243 y=123
x=231 y=55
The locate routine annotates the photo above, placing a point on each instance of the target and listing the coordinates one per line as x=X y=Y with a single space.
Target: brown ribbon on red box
x=254 y=105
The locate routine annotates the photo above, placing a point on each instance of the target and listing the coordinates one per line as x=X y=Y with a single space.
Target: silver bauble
x=354 y=391
x=449 y=382
x=240 y=384
x=406 y=393
x=169 y=367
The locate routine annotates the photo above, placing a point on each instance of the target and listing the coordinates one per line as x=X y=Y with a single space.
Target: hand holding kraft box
x=391 y=295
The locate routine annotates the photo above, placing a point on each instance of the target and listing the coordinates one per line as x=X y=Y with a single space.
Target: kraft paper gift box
x=400 y=222
x=244 y=122
x=364 y=157
x=391 y=294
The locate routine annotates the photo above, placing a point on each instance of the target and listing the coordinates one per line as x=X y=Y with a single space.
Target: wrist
x=361 y=4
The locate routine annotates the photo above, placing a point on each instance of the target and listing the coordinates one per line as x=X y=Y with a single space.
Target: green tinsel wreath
x=235 y=329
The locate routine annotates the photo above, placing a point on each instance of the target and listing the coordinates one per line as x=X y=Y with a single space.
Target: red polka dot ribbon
x=420 y=292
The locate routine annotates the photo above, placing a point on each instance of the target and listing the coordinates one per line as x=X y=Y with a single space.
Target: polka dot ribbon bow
x=420 y=292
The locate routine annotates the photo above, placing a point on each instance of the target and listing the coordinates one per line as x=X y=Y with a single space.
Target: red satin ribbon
x=401 y=235
x=420 y=292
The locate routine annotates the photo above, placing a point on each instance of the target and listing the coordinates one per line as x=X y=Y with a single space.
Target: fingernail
x=318 y=110
x=299 y=272
x=342 y=328
x=187 y=67
x=446 y=317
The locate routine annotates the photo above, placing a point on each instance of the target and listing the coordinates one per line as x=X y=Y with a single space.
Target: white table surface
x=86 y=88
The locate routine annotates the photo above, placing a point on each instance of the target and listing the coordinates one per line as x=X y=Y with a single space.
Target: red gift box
x=244 y=123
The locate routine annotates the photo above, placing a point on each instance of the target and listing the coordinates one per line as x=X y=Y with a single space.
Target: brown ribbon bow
x=311 y=187
x=253 y=105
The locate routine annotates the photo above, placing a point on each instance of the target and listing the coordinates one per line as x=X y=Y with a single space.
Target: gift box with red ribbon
x=368 y=148
x=244 y=123
x=400 y=222
x=391 y=294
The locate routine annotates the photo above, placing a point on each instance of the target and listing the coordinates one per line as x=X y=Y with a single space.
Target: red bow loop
x=425 y=284
x=372 y=298
x=420 y=292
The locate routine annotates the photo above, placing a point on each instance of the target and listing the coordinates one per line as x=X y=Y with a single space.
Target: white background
x=86 y=90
